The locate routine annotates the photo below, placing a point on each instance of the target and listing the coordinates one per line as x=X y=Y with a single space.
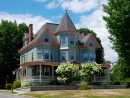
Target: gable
x=91 y=42
x=92 y=39
x=49 y=37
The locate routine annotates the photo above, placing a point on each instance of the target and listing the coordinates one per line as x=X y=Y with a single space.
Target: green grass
x=13 y=92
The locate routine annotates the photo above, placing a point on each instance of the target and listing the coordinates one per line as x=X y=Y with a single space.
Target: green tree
x=10 y=42
x=100 y=51
x=118 y=25
x=69 y=73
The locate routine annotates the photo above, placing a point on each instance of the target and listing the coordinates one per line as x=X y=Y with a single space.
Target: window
x=46 y=54
x=71 y=40
x=32 y=56
x=85 y=57
x=63 y=39
x=71 y=56
x=63 y=55
x=91 y=57
x=39 y=54
x=90 y=43
x=46 y=38
x=24 y=43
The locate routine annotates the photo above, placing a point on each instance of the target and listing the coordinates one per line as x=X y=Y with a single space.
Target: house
x=49 y=47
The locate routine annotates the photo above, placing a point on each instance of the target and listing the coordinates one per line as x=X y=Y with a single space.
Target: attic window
x=46 y=37
x=90 y=43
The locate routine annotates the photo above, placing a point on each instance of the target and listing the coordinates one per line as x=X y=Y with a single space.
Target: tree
x=89 y=70
x=106 y=62
x=68 y=71
x=100 y=51
x=118 y=25
x=10 y=42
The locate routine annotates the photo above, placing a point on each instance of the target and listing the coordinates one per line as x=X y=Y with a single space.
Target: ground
x=98 y=93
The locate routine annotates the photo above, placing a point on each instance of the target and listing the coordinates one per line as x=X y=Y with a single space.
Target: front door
x=47 y=70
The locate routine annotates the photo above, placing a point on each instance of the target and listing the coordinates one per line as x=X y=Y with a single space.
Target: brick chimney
x=30 y=32
x=84 y=33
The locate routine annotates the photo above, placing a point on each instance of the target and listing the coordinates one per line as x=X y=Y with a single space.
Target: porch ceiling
x=105 y=66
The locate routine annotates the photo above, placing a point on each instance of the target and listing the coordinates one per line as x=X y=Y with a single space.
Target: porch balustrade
x=101 y=79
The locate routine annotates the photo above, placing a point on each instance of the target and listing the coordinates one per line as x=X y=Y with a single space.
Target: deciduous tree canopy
x=118 y=25
x=10 y=42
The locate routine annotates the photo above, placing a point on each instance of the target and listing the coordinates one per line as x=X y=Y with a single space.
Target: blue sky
x=84 y=14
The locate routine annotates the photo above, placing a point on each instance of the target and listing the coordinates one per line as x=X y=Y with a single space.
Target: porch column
x=40 y=73
x=17 y=75
x=108 y=77
x=22 y=74
x=27 y=73
x=52 y=72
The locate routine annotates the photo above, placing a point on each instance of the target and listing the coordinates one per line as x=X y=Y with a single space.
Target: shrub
x=123 y=82
x=84 y=84
x=69 y=73
x=8 y=86
x=96 y=83
x=105 y=84
x=116 y=83
x=55 y=82
x=89 y=70
x=16 y=84
x=128 y=83
x=85 y=88
x=30 y=84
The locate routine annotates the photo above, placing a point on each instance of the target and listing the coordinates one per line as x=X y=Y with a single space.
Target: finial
x=65 y=10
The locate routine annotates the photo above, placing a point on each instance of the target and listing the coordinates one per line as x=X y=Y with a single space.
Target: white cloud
x=52 y=5
x=97 y=24
x=37 y=21
x=41 y=0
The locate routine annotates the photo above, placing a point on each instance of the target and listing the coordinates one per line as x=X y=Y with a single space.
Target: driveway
x=5 y=95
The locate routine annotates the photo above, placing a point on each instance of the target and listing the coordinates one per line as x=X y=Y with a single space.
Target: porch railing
x=101 y=79
x=38 y=78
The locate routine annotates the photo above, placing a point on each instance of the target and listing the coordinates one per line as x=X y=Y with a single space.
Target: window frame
x=87 y=57
x=90 y=57
x=73 y=40
x=61 y=55
x=41 y=54
x=61 y=40
x=45 y=38
x=91 y=44
x=45 y=55
x=70 y=55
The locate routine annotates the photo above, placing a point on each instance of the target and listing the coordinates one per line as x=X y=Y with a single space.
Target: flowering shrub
x=68 y=71
x=89 y=70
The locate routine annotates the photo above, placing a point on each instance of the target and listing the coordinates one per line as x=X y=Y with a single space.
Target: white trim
x=70 y=55
x=87 y=58
x=44 y=54
x=69 y=40
x=61 y=55
x=65 y=40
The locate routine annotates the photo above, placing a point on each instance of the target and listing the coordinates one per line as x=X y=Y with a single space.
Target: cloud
x=97 y=24
x=41 y=0
x=37 y=21
x=52 y=5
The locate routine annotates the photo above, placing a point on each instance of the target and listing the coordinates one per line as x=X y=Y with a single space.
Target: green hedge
x=8 y=86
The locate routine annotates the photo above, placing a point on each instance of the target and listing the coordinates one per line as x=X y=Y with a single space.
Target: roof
x=65 y=24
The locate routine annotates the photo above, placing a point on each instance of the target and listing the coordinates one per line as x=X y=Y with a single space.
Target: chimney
x=30 y=32
x=83 y=33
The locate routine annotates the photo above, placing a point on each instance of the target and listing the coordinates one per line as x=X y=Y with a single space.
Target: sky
x=83 y=13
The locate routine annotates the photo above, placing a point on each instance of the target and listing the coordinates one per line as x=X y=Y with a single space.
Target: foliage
x=55 y=82
x=105 y=84
x=16 y=84
x=128 y=84
x=106 y=62
x=85 y=88
x=30 y=84
x=8 y=86
x=10 y=42
x=89 y=70
x=83 y=83
x=68 y=71
x=118 y=25
x=100 y=51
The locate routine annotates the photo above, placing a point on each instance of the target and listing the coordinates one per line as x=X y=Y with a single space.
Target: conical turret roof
x=65 y=24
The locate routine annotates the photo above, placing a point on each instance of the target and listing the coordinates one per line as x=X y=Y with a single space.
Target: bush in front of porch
x=69 y=72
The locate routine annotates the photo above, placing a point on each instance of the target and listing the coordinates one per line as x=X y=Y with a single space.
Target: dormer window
x=72 y=40
x=90 y=43
x=63 y=40
x=46 y=38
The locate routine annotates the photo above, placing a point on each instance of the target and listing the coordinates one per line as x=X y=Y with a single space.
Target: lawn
x=98 y=93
